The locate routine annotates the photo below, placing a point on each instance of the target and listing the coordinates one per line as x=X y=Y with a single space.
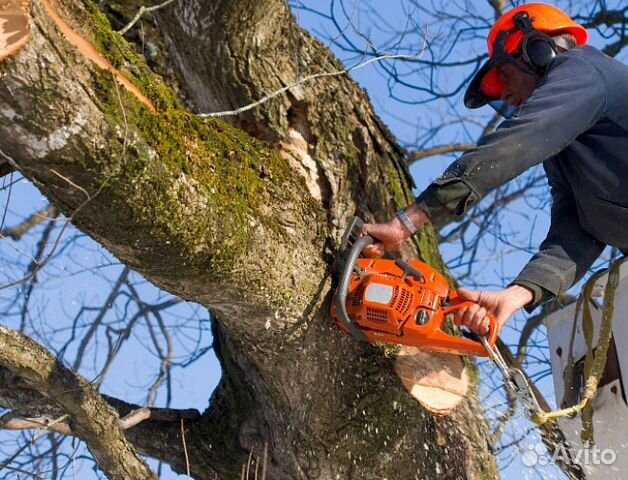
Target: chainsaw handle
x=340 y=297
x=456 y=304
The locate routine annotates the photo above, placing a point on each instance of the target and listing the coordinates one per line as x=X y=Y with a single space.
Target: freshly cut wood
x=87 y=49
x=14 y=26
x=438 y=381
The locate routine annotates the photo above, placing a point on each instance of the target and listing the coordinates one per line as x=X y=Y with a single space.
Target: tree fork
x=212 y=215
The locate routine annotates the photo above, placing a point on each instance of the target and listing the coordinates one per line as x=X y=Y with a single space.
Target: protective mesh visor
x=491 y=85
x=485 y=85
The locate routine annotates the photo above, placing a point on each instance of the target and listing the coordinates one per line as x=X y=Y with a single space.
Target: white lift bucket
x=608 y=457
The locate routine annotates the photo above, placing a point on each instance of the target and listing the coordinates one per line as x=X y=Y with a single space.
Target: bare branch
x=92 y=417
x=101 y=315
x=498 y=6
x=38 y=423
x=185 y=450
x=304 y=80
x=32 y=441
x=438 y=150
x=141 y=12
x=34 y=267
x=134 y=418
x=535 y=321
x=36 y=218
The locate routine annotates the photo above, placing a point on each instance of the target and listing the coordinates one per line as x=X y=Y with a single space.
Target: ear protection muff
x=537 y=48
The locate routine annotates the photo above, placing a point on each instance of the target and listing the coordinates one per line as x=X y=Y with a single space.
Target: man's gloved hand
x=392 y=234
x=502 y=304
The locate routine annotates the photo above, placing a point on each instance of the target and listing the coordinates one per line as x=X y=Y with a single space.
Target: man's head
x=517 y=84
x=521 y=45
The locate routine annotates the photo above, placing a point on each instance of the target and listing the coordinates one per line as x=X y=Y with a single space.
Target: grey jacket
x=576 y=123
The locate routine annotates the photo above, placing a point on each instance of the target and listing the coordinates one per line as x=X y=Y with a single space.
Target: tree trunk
x=211 y=214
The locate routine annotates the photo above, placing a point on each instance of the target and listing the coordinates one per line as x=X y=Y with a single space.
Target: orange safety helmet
x=506 y=38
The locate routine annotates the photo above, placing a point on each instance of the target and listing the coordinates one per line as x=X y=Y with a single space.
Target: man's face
x=518 y=85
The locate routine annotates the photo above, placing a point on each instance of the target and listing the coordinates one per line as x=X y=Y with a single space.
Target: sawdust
x=438 y=381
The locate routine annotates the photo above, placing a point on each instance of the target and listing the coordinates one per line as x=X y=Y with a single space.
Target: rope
x=594 y=362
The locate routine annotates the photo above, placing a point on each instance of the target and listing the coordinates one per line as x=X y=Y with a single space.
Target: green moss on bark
x=227 y=174
x=124 y=57
x=173 y=158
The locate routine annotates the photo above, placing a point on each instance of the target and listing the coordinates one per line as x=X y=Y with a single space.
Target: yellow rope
x=594 y=363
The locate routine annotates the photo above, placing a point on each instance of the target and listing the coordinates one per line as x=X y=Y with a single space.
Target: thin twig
x=305 y=80
x=24 y=472
x=5 y=463
x=185 y=450
x=248 y=464
x=265 y=465
x=66 y=179
x=438 y=150
x=141 y=12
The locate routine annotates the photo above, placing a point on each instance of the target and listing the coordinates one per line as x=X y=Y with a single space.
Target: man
x=572 y=114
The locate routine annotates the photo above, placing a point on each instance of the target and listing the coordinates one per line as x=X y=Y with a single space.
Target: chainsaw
x=384 y=300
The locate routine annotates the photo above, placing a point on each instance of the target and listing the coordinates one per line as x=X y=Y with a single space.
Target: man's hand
x=392 y=234
x=502 y=304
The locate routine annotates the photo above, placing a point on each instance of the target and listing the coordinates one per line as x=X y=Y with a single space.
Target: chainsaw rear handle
x=342 y=290
x=456 y=304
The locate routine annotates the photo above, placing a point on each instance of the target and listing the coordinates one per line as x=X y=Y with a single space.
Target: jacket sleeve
x=566 y=253
x=569 y=100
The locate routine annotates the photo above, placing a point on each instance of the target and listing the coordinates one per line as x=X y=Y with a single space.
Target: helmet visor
x=484 y=87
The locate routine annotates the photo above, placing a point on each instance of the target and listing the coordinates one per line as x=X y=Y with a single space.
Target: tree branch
x=38 y=423
x=303 y=81
x=92 y=418
x=141 y=12
x=438 y=150
x=36 y=218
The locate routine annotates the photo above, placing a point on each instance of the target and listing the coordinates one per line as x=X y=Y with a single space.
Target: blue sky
x=83 y=274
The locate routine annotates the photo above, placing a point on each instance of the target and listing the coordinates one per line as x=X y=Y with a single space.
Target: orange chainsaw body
x=395 y=302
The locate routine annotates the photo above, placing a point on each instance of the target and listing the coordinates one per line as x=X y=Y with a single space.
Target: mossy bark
x=235 y=216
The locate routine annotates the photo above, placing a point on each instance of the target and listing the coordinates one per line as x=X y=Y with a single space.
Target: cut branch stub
x=89 y=51
x=15 y=33
x=14 y=26
x=439 y=381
